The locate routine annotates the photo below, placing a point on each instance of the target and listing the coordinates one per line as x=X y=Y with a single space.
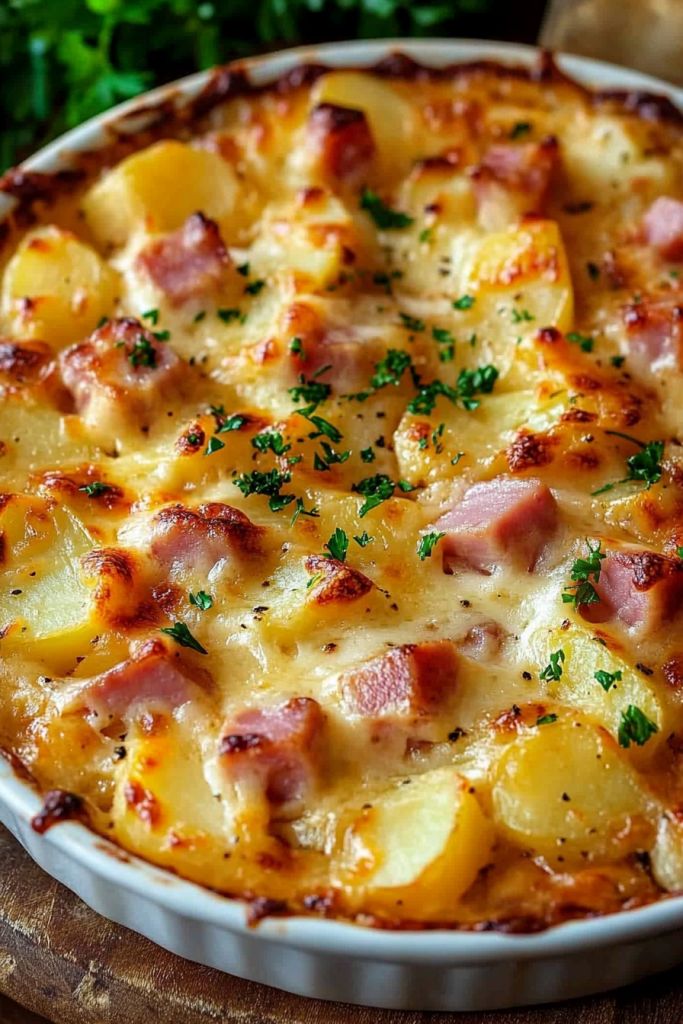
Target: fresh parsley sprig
x=585 y=572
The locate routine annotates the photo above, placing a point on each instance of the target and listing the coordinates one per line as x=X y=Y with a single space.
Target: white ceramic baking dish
x=433 y=970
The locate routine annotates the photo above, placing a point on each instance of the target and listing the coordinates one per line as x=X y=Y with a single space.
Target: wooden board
x=64 y=962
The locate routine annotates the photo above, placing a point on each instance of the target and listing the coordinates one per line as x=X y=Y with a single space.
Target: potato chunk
x=566 y=791
x=419 y=847
x=142 y=191
x=527 y=265
x=56 y=287
x=667 y=854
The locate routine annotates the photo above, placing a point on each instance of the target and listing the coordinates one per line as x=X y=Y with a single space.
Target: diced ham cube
x=189 y=263
x=349 y=356
x=655 y=334
x=663 y=225
x=119 y=375
x=411 y=680
x=343 y=140
x=335 y=582
x=23 y=362
x=641 y=588
x=514 y=179
x=502 y=522
x=185 y=538
x=277 y=750
x=153 y=679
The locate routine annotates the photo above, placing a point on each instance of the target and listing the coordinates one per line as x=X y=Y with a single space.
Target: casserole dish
x=426 y=970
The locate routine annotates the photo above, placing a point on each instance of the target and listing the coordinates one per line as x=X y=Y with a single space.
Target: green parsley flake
x=427 y=543
x=635 y=727
x=553 y=671
x=464 y=302
x=243 y=269
x=338 y=545
x=607 y=679
x=412 y=323
x=270 y=440
x=582 y=591
x=522 y=316
x=520 y=129
x=584 y=341
x=96 y=489
x=215 y=444
x=384 y=217
x=142 y=353
x=364 y=539
x=201 y=600
x=152 y=315
x=312 y=392
x=269 y=484
x=228 y=315
x=234 y=422
x=368 y=454
x=254 y=287
x=546 y=719
x=376 y=489
x=181 y=634
x=645 y=465
x=390 y=369
x=296 y=347
x=301 y=510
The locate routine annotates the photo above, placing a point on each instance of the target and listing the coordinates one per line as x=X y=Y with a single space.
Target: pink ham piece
x=502 y=522
x=514 y=179
x=654 y=331
x=641 y=588
x=152 y=679
x=343 y=140
x=189 y=263
x=277 y=749
x=663 y=227
x=121 y=372
x=185 y=538
x=407 y=681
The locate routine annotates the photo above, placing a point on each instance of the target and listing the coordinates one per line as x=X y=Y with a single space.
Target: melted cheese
x=523 y=794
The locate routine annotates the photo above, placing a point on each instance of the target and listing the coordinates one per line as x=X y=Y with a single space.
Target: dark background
x=61 y=61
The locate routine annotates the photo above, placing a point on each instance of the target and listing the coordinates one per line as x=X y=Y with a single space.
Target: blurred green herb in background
x=61 y=61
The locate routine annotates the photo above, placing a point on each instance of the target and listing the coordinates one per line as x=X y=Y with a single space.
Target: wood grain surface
x=67 y=965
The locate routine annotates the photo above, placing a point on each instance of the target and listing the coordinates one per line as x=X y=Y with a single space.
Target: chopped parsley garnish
x=617 y=361
x=464 y=302
x=376 y=489
x=296 y=346
x=312 y=391
x=468 y=384
x=254 y=287
x=584 y=341
x=519 y=129
x=215 y=444
x=425 y=235
x=546 y=719
x=269 y=484
x=364 y=539
x=607 y=679
x=367 y=455
x=323 y=426
x=162 y=335
x=96 y=489
x=384 y=217
x=446 y=341
x=427 y=544
x=412 y=323
x=553 y=670
x=201 y=600
x=645 y=465
x=522 y=316
x=584 y=572
x=228 y=315
x=152 y=315
x=635 y=727
x=199 y=316
x=234 y=422
x=338 y=545
x=142 y=353
x=329 y=457
x=301 y=510
x=181 y=634
x=270 y=440
x=390 y=369
x=243 y=269
x=679 y=552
